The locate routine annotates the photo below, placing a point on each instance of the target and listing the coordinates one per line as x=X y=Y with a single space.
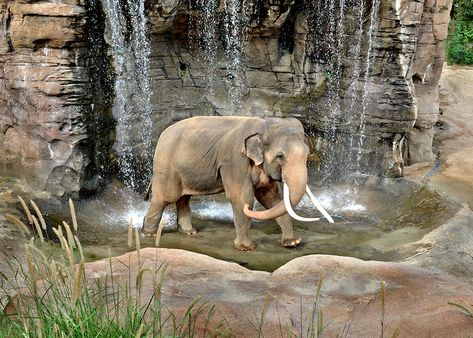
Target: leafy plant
x=460 y=40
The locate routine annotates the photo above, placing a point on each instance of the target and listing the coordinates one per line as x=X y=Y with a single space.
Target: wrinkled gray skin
x=246 y=157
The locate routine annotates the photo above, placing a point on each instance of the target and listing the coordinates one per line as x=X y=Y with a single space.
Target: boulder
x=416 y=300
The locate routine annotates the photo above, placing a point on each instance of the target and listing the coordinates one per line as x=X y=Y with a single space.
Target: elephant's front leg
x=269 y=196
x=242 y=225
x=239 y=191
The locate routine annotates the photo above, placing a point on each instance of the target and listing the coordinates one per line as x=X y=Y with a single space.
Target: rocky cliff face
x=362 y=75
x=46 y=93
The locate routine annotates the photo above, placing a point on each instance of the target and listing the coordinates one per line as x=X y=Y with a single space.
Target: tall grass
x=465 y=309
x=56 y=299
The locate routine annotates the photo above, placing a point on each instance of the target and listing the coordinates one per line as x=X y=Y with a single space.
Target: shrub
x=460 y=40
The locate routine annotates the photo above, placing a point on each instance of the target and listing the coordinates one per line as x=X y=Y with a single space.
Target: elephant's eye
x=279 y=157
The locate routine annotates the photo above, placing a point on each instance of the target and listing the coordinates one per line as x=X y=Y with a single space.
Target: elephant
x=245 y=157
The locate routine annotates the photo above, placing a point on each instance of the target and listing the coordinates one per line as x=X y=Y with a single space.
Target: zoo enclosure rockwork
x=361 y=75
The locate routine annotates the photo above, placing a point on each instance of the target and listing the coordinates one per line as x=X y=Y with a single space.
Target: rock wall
x=431 y=20
x=369 y=93
x=362 y=75
x=46 y=95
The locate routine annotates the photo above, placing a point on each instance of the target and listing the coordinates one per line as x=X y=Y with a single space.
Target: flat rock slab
x=416 y=299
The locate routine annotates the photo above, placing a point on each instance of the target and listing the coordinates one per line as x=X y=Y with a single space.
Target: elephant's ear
x=253 y=148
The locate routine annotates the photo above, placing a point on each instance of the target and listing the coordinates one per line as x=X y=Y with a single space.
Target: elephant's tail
x=148 y=191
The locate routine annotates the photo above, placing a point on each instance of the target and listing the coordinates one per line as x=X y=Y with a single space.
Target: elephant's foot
x=291 y=242
x=191 y=231
x=244 y=245
x=148 y=233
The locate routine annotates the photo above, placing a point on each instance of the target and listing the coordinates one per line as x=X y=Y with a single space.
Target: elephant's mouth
x=276 y=177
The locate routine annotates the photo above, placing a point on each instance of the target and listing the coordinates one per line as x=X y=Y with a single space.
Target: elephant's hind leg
x=269 y=197
x=153 y=216
x=184 y=223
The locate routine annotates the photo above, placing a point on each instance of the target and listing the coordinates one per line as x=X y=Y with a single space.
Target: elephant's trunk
x=295 y=180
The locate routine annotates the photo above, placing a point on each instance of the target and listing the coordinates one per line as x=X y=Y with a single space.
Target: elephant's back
x=195 y=130
x=208 y=123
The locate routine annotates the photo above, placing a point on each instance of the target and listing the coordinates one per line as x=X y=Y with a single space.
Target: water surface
x=374 y=220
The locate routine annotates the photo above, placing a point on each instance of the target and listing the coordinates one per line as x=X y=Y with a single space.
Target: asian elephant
x=246 y=157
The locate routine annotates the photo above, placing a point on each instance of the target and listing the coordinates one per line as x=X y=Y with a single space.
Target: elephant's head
x=281 y=147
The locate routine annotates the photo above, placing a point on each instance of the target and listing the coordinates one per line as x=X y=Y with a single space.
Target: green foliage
x=460 y=40
x=463 y=10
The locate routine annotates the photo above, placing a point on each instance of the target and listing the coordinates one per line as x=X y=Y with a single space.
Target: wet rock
x=162 y=14
x=289 y=50
x=448 y=248
x=419 y=145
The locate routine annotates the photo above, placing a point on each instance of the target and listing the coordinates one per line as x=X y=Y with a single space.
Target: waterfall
x=207 y=30
x=234 y=29
x=355 y=76
x=334 y=12
x=223 y=49
x=364 y=104
x=345 y=65
x=142 y=51
x=132 y=90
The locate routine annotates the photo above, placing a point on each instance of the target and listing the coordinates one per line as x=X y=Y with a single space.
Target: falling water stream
x=335 y=11
x=346 y=61
x=355 y=76
x=131 y=104
x=369 y=61
x=225 y=76
x=235 y=35
x=208 y=30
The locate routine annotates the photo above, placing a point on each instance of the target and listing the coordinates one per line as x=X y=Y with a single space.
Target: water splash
x=131 y=105
x=213 y=210
x=142 y=51
x=337 y=201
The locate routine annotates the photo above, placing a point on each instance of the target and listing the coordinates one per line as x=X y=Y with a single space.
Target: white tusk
x=318 y=205
x=289 y=209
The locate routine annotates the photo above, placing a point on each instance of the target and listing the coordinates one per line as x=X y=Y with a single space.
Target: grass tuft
x=21 y=226
x=27 y=210
x=464 y=309
x=38 y=229
x=40 y=215
x=58 y=300
x=130 y=233
x=158 y=234
x=73 y=215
